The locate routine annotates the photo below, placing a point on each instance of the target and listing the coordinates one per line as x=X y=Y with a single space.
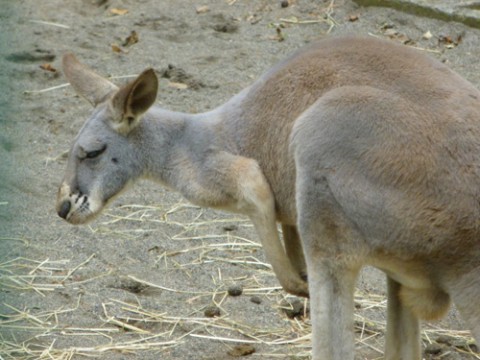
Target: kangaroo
x=367 y=152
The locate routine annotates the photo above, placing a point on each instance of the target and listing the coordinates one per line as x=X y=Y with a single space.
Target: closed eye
x=95 y=153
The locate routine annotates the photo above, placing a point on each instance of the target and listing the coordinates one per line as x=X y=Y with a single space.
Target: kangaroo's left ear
x=86 y=82
x=131 y=101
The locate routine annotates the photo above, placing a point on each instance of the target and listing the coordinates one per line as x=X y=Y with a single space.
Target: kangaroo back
x=269 y=108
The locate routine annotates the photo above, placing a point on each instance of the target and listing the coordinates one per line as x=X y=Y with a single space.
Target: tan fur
x=427 y=304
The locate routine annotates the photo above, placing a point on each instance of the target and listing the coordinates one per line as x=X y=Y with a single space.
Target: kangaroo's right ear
x=86 y=82
x=133 y=100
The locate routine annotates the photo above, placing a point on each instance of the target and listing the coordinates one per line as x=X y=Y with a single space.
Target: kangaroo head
x=103 y=158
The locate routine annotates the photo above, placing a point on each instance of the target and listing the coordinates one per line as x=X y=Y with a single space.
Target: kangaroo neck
x=172 y=144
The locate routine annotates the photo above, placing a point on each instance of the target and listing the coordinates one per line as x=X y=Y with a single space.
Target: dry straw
x=289 y=337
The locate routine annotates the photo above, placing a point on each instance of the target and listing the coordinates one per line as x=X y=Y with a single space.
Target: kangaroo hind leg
x=465 y=293
x=333 y=263
x=332 y=286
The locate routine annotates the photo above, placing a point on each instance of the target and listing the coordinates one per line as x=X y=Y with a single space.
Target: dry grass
x=325 y=16
x=151 y=330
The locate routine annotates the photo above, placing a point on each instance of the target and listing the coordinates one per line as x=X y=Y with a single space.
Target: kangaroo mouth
x=77 y=208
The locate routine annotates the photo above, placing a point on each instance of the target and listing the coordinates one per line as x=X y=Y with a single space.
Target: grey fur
x=368 y=152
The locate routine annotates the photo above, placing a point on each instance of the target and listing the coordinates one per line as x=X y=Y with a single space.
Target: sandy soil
x=135 y=284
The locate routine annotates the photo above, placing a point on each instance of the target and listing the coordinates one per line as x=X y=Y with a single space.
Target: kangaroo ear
x=86 y=82
x=134 y=99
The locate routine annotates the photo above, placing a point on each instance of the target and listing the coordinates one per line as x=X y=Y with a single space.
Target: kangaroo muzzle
x=64 y=209
x=77 y=207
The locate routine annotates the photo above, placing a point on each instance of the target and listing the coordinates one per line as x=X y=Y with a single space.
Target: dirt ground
x=140 y=281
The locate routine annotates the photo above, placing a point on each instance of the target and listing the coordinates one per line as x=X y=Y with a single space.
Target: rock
x=445 y=339
x=434 y=348
x=241 y=350
x=235 y=290
x=231 y=227
x=212 y=311
x=294 y=308
x=256 y=300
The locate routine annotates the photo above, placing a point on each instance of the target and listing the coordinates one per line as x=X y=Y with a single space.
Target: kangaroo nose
x=64 y=209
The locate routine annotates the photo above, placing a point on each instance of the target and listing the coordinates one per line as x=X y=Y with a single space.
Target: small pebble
x=235 y=290
x=294 y=308
x=433 y=348
x=445 y=339
x=202 y=9
x=284 y=3
x=230 y=227
x=256 y=300
x=212 y=311
x=427 y=36
x=241 y=350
